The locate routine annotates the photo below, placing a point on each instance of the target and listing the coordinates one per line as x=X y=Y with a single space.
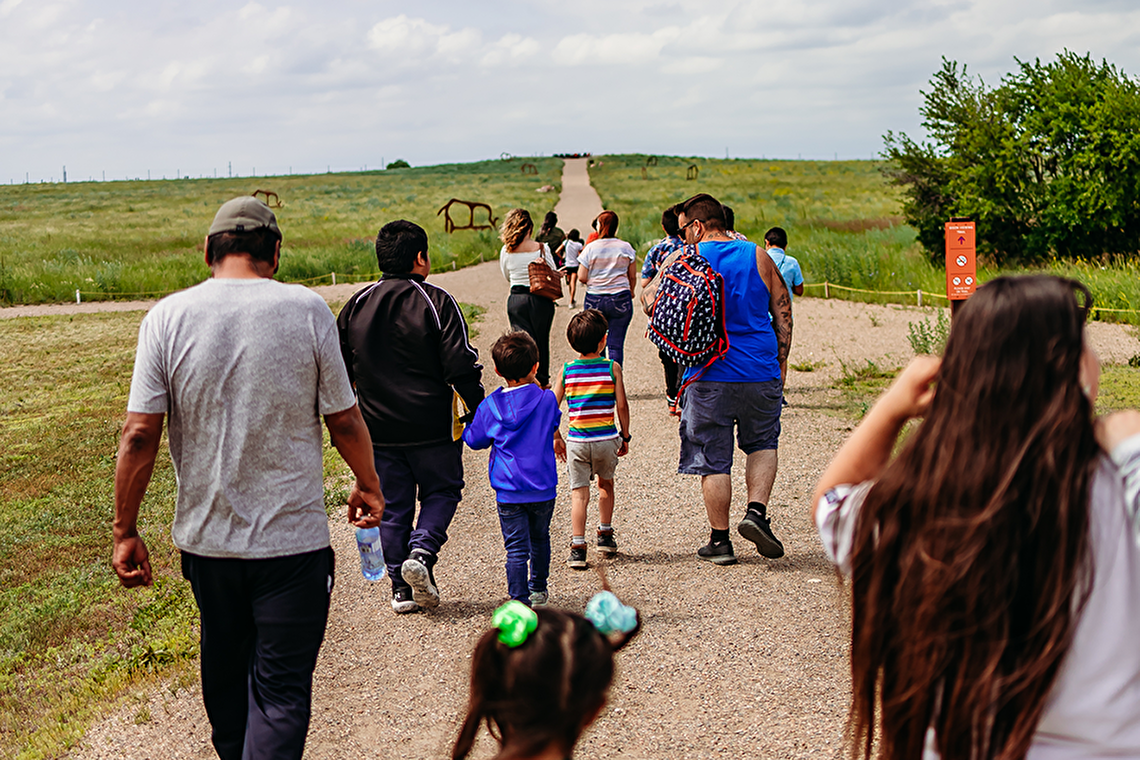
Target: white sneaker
x=418 y=575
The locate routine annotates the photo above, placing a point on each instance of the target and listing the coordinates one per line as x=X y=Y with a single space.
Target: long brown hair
x=516 y=225
x=543 y=692
x=971 y=560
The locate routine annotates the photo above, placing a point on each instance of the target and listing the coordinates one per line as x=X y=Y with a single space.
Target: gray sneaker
x=538 y=598
x=758 y=530
x=417 y=571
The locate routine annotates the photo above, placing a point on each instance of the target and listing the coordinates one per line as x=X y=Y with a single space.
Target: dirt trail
x=743 y=661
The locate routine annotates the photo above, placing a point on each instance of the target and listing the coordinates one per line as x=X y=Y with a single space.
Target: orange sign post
x=961 y=263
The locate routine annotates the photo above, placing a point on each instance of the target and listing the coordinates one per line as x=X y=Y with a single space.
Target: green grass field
x=842 y=221
x=118 y=239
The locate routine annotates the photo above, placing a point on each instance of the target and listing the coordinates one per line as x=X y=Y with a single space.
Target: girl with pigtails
x=993 y=563
x=539 y=677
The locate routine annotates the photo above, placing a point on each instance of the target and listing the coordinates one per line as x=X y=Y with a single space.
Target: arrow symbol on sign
x=961 y=240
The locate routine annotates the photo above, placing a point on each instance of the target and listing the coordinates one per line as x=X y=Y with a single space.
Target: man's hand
x=131 y=561
x=365 y=507
x=138 y=449
x=623 y=449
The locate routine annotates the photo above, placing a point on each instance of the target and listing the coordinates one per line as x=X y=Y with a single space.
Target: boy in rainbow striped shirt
x=595 y=393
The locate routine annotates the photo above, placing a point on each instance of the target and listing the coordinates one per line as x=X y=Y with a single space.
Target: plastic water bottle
x=371 y=554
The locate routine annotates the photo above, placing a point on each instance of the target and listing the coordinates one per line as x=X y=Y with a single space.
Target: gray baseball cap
x=244 y=214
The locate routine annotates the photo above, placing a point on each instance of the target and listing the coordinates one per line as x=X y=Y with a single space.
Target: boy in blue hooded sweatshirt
x=520 y=424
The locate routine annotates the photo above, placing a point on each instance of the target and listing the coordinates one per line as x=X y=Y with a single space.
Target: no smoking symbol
x=962 y=261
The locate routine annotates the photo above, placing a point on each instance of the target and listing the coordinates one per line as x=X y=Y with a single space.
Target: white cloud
x=628 y=48
x=511 y=48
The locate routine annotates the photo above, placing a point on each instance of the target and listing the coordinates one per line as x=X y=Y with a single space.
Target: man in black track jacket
x=417 y=380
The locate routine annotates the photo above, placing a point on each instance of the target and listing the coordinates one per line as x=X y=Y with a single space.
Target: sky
x=123 y=89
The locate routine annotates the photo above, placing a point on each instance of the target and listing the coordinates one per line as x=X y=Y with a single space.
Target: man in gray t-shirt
x=245 y=367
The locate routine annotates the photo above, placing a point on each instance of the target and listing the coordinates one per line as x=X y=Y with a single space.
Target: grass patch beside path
x=113 y=239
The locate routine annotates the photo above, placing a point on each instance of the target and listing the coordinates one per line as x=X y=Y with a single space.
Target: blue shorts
x=709 y=412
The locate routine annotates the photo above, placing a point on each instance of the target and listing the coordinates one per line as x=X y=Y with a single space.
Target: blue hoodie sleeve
x=475 y=435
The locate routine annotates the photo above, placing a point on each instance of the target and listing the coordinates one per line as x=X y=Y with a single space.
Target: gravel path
x=733 y=662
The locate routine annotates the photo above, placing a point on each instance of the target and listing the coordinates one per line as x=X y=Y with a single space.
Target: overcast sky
x=127 y=87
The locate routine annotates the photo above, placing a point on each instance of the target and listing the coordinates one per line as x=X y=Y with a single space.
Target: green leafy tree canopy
x=1047 y=163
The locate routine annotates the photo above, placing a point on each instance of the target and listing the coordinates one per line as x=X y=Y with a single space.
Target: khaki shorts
x=589 y=458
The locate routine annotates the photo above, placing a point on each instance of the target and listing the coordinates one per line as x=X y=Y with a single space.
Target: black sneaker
x=577 y=559
x=758 y=530
x=417 y=571
x=718 y=554
x=402 y=602
x=606 y=543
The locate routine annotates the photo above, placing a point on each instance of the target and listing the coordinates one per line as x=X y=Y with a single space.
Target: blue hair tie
x=609 y=615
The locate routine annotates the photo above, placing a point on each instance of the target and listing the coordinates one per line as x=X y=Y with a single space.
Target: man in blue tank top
x=742 y=389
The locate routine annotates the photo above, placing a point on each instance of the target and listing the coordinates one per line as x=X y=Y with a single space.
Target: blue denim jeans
x=526 y=535
x=618 y=308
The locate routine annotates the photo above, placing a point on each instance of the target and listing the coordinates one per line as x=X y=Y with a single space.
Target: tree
x=399 y=163
x=1047 y=163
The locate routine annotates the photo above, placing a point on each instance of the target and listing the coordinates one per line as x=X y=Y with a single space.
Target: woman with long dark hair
x=527 y=312
x=995 y=581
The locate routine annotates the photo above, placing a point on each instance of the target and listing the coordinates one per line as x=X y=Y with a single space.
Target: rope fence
x=918 y=294
x=335 y=278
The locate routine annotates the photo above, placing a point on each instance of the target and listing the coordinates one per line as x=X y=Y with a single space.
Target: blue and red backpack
x=687 y=319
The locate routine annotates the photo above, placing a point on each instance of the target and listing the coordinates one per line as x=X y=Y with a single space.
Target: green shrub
x=929 y=338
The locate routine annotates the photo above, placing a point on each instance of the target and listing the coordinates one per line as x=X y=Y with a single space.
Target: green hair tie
x=515 y=622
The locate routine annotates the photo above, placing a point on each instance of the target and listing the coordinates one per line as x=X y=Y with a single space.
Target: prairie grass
x=117 y=239
x=842 y=221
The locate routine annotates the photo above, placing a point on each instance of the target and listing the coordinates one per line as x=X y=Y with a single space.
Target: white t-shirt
x=573 y=248
x=244 y=369
x=607 y=260
x=1094 y=708
x=514 y=265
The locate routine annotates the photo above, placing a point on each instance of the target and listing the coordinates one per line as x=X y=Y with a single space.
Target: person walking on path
x=533 y=314
x=608 y=269
x=406 y=347
x=742 y=389
x=653 y=261
x=993 y=561
x=776 y=244
x=246 y=367
x=520 y=424
x=569 y=251
x=595 y=393
x=551 y=235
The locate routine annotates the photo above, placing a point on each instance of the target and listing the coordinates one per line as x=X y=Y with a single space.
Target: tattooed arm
x=780 y=306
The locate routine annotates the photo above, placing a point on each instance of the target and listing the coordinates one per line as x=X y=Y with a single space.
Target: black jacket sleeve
x=460 y=360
